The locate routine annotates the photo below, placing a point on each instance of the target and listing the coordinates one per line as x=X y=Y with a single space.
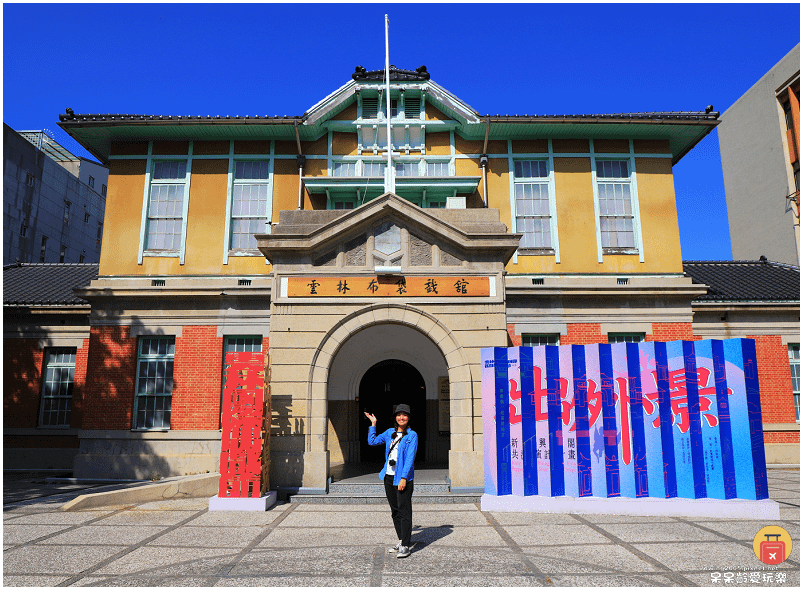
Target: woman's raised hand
x=371 y=417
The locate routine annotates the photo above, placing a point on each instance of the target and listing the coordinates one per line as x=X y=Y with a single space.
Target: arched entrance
x=366 y=370
x=384 y=385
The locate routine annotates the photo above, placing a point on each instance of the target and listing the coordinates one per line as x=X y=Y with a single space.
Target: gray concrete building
x=759 y=147
x=53 y=201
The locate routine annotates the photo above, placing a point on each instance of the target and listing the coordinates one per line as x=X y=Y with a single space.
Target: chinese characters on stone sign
x=388 y=286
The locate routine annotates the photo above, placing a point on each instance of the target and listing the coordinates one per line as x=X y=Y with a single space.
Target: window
x=59 y=378
x=540 y=339
x=794 y=365
x=394 y=103
x=438 y=169
x=165 y=210
x=43 y=251
x=343 y=169
x=153 y=404
x=99 y=234
x=23 y=230
x=250 y=212
x=616 y=207
x=243 y=344
x=532 y=195
x=369 y=108
x=67 y=206
x=86 y=217
x=615 y=337
x=81 y=258
x=103 y=190
x=374 y=169
x=406 y=169
x=63 y=255
x=91 y=182
x=436 y=204
x=343 y=205
x=30 y=180
x=413 y=107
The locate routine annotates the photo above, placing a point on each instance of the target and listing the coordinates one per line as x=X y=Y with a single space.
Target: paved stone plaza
x=181 y=543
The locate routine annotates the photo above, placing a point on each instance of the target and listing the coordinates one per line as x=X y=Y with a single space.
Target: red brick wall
x=81 y=368
x=583 y=334
x=781 y=437
x=22 y=382
x=108 y=395
x=197 y=379
x=774 y=382
x=671 y=332
x=513 y=338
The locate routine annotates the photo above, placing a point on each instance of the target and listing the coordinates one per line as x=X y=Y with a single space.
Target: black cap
x=402 y=408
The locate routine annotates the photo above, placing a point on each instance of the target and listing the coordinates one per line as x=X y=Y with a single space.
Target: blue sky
x=280 y=59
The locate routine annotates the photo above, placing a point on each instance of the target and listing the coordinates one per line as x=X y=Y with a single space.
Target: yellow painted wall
x=345 y=144
x=575 y=210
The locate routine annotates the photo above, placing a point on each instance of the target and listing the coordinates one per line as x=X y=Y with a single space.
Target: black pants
x=400 y=503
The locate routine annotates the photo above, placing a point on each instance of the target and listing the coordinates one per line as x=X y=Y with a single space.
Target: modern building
x=286 y=235
x=53 y=201
x=759 y=143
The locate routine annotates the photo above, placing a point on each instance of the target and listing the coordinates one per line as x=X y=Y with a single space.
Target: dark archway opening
x=383 y=386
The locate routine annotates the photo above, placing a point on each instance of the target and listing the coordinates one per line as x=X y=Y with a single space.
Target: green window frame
x=794 y=367
x=154 y=383
x=617 y=337
x=57 y=387
x=541 y=339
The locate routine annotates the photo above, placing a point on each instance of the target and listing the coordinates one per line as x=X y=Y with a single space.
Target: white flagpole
x=388 y=184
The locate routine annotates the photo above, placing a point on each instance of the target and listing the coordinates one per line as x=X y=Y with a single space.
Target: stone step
x=377 y=489
x=428 y=498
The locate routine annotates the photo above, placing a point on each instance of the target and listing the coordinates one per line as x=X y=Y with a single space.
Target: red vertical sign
x=242 y=425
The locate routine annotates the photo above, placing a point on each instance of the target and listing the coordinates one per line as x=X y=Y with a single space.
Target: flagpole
x=388 y=184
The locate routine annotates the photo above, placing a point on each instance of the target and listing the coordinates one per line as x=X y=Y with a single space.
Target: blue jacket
x=406 y=452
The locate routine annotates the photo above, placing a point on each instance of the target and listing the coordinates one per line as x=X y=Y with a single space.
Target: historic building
x=367 y=288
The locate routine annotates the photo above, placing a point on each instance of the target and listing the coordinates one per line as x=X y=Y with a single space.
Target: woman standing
x=398 y=473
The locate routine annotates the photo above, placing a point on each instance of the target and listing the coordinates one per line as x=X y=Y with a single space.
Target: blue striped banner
x=695 y=430
x=554 y=422
x=754 y=412
x=723 y=411
x=582 y=421
x=527 y=405
x=609 y=421
x=665 y=416
x=503 y=421
x=637 y=420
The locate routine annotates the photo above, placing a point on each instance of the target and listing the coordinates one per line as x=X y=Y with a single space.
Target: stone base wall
x=146 y=455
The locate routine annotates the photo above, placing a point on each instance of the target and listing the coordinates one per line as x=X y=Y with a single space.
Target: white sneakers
x=401 y=550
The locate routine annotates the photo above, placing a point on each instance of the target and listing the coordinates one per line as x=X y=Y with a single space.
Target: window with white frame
x=616 y=337
x=153 y=404
x=616 y=206
x=407 y=168
x=374 y=169
x=794 y=364
x=250 y=207
x=438 y=168
x=540 y=339
x=58 y=382
x=165 y=209
x=343 y=169
x=532 y=199
x=243 y=344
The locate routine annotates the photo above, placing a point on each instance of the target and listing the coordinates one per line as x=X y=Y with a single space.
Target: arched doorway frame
x=458 y=370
